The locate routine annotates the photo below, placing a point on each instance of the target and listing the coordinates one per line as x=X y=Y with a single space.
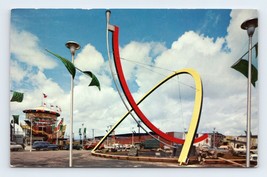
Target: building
x=43 y=124
x=241 y=140
x=145 y=139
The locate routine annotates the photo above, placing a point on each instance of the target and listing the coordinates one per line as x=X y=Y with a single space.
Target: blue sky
x=55 y=27
x=209 y=41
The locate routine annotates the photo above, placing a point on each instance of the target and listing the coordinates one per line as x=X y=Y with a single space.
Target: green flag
x=94 y=81
x=53 y=127
x=70 y=67
x=16 y=119
x=17 y=96
x=61 y=127
x=256 y=49
x=84 y=131
x=242 y=66
x=80 y=131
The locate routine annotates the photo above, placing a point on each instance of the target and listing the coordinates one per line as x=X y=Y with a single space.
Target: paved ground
x=81 y=159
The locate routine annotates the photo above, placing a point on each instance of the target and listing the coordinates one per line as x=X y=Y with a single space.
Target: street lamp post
x=82 y=134
x=133 y=136
x=73 y=46
x=249 y=26
x=108 y=128
x=93 y=135
x=138 y=125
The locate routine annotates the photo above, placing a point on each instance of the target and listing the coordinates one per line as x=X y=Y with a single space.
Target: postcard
x=134 y=88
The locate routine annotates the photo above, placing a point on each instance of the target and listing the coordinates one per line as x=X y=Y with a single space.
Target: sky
x=153 y=44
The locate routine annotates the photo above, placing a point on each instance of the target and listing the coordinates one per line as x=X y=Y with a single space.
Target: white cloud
x=138 y=52
x=25 y=47
x=17 y=73
x=236 y=35
x=89 y=59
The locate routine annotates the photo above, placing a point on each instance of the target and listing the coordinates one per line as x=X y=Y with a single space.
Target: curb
x=136 y=158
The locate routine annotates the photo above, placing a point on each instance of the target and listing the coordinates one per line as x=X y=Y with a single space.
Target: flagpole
x=73 y=46
x=249 y=26
x=31 y=137
x=57 y=135
x=82 y=135
x=13 y=129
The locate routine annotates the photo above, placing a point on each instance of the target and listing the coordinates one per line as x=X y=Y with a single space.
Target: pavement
x=80 y=159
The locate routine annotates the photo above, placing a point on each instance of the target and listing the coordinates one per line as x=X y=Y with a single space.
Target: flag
x=242 y=66
x=61 y=127
x=94 y=81
x=84 y=131
x=53 y=127
x=15 y=119
x=80 y=131
x=256 y=49
x=69 y=65
x=17 y=96
x=44 y=95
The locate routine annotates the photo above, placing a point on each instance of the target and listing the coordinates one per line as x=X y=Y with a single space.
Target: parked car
x=44 y=145
x=91 y=146
x=254 y=157
x=75 y=146
x=15 y=147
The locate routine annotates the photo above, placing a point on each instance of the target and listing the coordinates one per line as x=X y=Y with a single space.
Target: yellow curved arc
x=195 y=116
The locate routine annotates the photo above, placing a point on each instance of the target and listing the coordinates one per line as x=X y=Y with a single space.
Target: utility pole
x=138 y=125
x=82 y=134
x=93 y=135
x=214 y=139
x=133 y=136
x=108 y=128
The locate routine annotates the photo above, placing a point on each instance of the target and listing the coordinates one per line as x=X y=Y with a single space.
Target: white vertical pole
x=31 y=137
x=71 y=115
x=132 y=139
x=249 y=26
x=249 y=104
x=82 y=134
x=13 y=134
x=132 y=136
x=93 y=135
x=214 y=138
x=73 y=46
x=57 y=136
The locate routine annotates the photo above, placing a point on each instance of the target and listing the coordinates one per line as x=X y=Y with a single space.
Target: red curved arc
x=125 y=88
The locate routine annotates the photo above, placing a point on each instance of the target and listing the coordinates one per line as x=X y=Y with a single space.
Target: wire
x=140 y=63
x=144 y=64
x=180 y=99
